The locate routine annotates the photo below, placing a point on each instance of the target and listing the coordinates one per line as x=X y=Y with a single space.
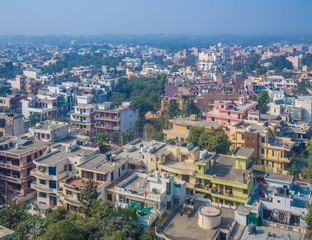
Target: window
x=123 y=167
x=52 y=184
x=273 y=153
x=109 y=197
x=112 y=176
x=65 y=167
x=262 y=150
x=42 y=194
x=262 y=140
x=69 y=192
x=243 y=136
x=52 y=171
x=29 y=158
x=42 y=181
x=186 y=178
x=86 y=174
x=28 y=171
x=229 y=113
x=245 y=191
x=278 y=201
x=70 y=167
x=101 y=177
x=229 y=121
x=168 y=188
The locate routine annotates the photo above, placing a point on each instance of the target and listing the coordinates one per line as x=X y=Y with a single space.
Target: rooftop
x=182 y=227
x=139 y=184
x=279 y=177
x=224 y=168
x=49 y=125
x=80 y=182
x=179 y=165
x=198 y=122
x=99 y=164
x=5 y=232
x=59 y=153
x=8 y=145
x=243 y=151
x=250 y=126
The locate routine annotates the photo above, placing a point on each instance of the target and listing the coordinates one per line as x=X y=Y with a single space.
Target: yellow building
x=226 y=179
x=177 y=159
x=165 y=102
x=272 y=153
x=181 y=126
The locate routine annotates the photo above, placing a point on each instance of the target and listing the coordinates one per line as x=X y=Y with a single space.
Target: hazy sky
x=247 y=17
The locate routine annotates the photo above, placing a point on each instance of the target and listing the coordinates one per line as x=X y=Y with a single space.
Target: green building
x=226 y=179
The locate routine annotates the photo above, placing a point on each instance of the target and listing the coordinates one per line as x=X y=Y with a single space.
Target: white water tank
x=157 y=174
x=209 y=217
x=164 y=174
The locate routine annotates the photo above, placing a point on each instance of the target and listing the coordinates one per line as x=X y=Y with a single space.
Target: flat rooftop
x=182 y=227
x=24 y=145
x=49 y=125
x=266 y=233
x=5 y=232
x=60 y=153
x=179 y=165
x=81 y=182
x=139 y=184
x=99 y=164
x=243 y=151
x=279 y=177
x=198 y=122
x=224 y=168
x=254 y=126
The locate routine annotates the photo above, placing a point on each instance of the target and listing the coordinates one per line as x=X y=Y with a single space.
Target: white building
x=151 y=194
x=32 y=73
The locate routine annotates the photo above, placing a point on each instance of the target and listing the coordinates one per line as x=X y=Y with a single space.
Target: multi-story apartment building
x=103 y=169
x=229 y=113
x=13 y=102
x=83 y=118
x=16 y=162
x=13 y=125
x=56 y=166
x=272 y=153
x=181 y=126
x=50 y=131
x=49 y=106
x=117 y=119
x=278 y=82
x=23 y=83
x=226 y=179
x=151 y=195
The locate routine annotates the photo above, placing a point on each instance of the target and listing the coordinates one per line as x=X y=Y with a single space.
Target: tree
x=301 y=88
x=214 y=141
x=173 y=109
x=263 y=101
x=308 y=219
x=190 y=108
x=293 y=170
x=33 y=227
x=101 y=139
x=13 y=216
x=194 y=134
x=307 y=59
x=64 y=230
x=35 y=118
x=254 y=97
x=88 y=194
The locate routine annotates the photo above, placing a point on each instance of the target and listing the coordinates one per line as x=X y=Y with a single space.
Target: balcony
x=46 y=176
x=72 y=201
x=108 y=127
x=107 y=118
x=10 y=179
x=43 y=188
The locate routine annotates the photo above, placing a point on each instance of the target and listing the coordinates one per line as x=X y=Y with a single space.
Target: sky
x=94 y=17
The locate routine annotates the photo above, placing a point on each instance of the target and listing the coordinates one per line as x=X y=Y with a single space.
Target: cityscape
x=134 y=132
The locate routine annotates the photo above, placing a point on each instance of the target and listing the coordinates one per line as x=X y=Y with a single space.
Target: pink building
x=230 y=112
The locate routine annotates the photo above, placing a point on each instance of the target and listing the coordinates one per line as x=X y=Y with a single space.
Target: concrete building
x=152 y=195
x=5 y=233
x=50 y=131
x=47 y=105
x=16 y=157
x=181 y=126
x=271 y=152
x=103 y=169
x=118 y=119
x=12 y=102
x=13 y=125
x=226 y=179
x=82 y=118
x=305 y=103
x=23 y=83
x=230 y=113
x=55 y=166
x=32 y=73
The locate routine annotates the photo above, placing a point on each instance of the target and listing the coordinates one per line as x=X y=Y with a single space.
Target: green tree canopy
x=263 y=101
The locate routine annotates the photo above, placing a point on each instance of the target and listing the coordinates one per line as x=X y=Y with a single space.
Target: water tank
x=209 y=217
x=164 y=175
x=157 y=173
